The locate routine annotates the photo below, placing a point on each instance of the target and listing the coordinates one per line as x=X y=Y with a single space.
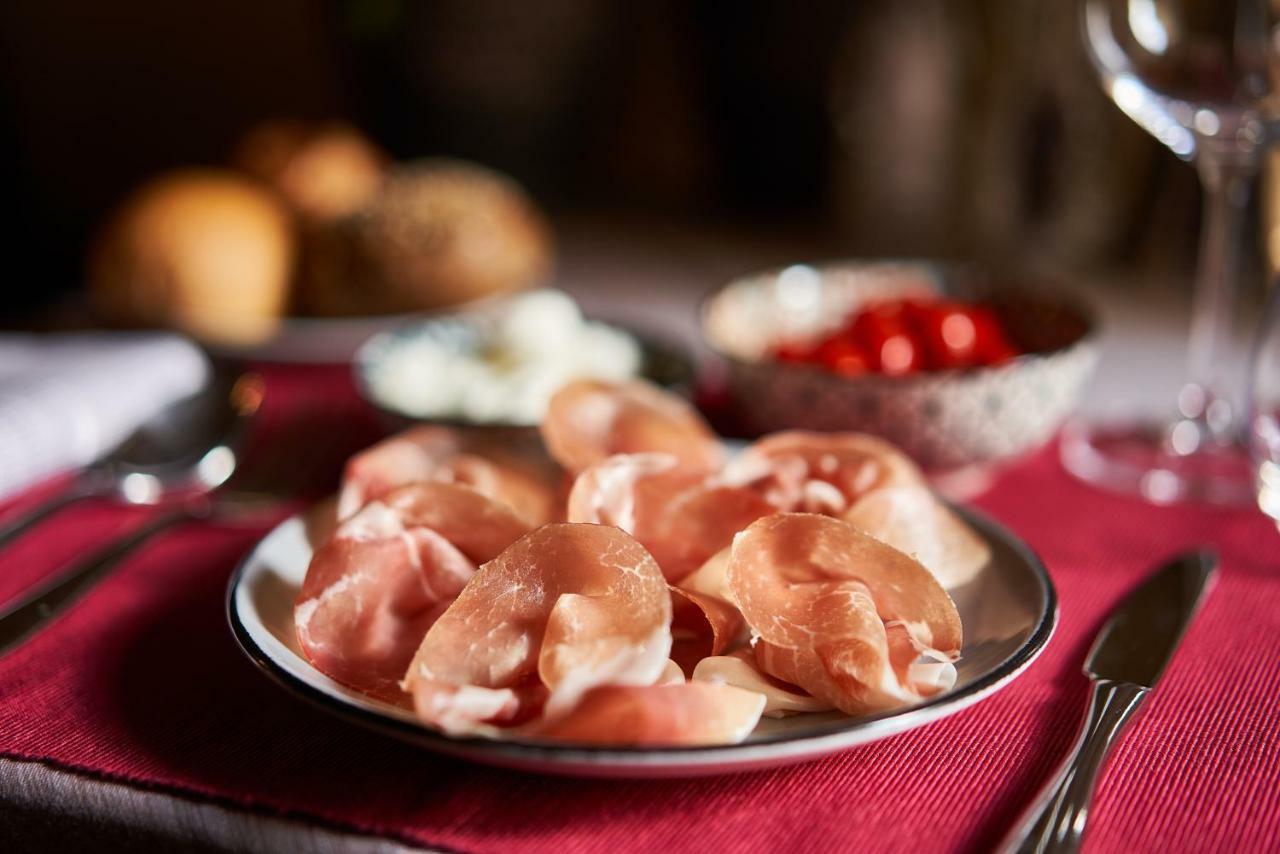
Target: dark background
x=957 y=128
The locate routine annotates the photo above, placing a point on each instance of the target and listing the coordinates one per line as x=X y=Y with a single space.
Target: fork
x=294 y=466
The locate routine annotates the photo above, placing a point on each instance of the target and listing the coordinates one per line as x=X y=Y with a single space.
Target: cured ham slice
x=849 y=619
x=701 y=626
x=712 y=578
x=374 y=588
x=416 y=455
x=568 y=606
x=798 y=470
x=740 y=670
x=913 y=520
x=707 y=589
x=588 y=421
x=671 y=674
x=868 y=482
x=682 y=515
x=478 y=526
x=438 y=454
x=687 y=714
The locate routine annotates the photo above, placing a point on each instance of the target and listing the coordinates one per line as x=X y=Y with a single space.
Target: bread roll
x=438 y=233
x=322 y=171
x=202 y=251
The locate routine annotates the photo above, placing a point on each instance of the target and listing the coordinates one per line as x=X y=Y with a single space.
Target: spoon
x=188 y=446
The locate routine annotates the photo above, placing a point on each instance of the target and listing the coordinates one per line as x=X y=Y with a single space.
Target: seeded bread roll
x=438 y=233
x=203 y=251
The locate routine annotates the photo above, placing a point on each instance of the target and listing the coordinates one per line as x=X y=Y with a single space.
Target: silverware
x=1124 y=665
x=295 y=464
x=189 y=446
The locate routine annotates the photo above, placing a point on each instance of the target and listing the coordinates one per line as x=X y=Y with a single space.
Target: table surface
x=653 y=284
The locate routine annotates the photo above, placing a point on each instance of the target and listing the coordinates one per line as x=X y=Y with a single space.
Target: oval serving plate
x=1008 y=611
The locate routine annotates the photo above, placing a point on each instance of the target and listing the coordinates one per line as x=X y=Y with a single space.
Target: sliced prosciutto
x=588 y=421
x=868 y=482
x=686 y=714
x=913 y=520
x=672 y=674
x=375 y=586
x=682 y=515
x=712 y=578
x=799 y=470
x=739 y=669
x=707 y=588
x=701 y=626
x=438 y=454
x=564 y=609
x=479 y=526
x=851 y=620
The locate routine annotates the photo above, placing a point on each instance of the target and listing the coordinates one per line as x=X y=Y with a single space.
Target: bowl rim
x=651 y=346
x=942 y=270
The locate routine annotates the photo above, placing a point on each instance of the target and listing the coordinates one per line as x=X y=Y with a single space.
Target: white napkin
x=66 y=400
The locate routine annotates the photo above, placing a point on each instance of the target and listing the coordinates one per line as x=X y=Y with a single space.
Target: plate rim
x=581 y=759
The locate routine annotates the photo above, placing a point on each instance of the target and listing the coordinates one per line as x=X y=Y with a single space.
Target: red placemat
x=141 y=682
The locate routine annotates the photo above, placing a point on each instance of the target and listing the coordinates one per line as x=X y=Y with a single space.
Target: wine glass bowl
x=1189 y=73
x=1195 y=74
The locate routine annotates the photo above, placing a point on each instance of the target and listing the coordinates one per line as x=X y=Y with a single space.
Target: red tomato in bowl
x=884 y=335
x=993 y=346
x=794 y=353
x=842 y=355
x=904 y=336
x=950 y=335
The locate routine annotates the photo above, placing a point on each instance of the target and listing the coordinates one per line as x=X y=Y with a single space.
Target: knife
x=1124 y=665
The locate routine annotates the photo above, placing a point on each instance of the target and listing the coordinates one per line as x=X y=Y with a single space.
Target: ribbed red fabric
x=142 y=682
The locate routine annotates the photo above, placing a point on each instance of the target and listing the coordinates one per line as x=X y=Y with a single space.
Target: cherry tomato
x=794 y=352
x=950 y=335
x=902 y=336
x=888 y=341
x=842 y=355
x=895 y=311
x=993 y=346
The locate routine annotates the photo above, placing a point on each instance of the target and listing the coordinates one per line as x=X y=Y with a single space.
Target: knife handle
x=1055 y=821
x=21 y=619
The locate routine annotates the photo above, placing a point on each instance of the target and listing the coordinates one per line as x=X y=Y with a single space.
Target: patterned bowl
x=946 y=419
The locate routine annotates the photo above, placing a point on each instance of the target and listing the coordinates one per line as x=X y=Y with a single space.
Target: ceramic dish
x=944 y=419
x=660 y=362
x=1008 y=611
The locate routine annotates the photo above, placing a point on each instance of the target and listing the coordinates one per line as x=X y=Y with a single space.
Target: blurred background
x=970 y=129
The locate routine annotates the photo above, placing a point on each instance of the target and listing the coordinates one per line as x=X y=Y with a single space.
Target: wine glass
x=1194 y=74
x=1264 y=407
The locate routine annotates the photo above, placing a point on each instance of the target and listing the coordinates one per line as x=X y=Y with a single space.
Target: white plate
x=1009 y=611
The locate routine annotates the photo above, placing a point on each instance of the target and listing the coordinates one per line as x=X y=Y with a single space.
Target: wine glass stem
x=1209 y=398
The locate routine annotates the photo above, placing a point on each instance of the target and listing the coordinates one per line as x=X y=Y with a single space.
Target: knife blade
x=1125 y=663
x=1137 y=642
